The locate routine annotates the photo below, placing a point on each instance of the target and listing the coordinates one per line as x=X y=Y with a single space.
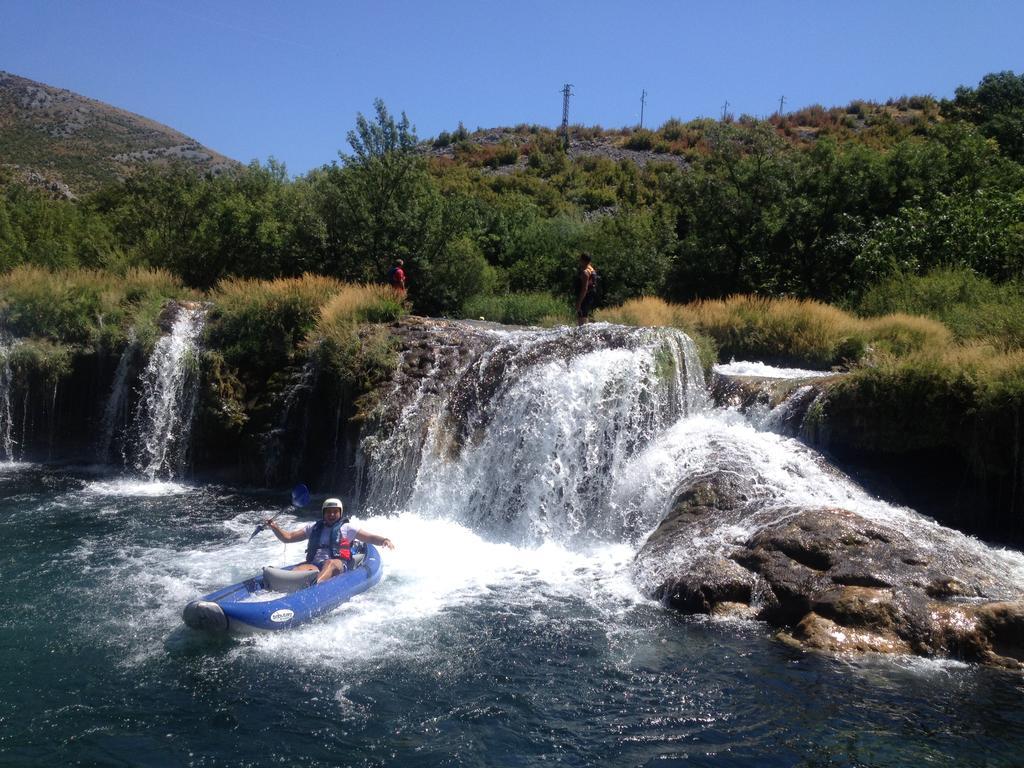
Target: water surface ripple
x=469 y=653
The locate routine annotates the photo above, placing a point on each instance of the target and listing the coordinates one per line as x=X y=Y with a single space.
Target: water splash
x=170 y=384
x=526 y=439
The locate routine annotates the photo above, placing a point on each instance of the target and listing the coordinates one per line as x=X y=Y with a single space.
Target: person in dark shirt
x=586 y=293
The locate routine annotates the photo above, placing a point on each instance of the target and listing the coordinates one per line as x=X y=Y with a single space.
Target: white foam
x=436 y=566
x=135 y=487
x=760 y=370
x=788 y=474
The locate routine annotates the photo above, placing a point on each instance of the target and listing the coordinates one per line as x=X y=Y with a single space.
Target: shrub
x=673 y=129
x=973 y=307
x=259 y=324
x=84 y=307
x=446 y=279
x=641 y=139
x=519 y=309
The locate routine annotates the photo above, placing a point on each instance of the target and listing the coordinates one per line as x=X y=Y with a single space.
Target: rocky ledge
x=831 y=579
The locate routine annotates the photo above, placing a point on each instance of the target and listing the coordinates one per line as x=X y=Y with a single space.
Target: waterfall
x=115 y=413
x=6 y=425
x=285 y=444
x=527 y=436
x=169 y=389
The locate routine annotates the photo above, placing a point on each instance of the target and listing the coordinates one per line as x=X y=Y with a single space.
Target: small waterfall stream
x=6 y=422
x=115 y=413
x=169 y=388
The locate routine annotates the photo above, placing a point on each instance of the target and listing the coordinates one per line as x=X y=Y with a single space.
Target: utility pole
x=725 y=110
x=643 y=101
x=566 y=93
x=782 y=103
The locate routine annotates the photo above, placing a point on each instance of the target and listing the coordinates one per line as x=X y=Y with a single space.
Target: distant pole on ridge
x=725 y=110
x=643 y=100
x=782 y=103
x=566 y=93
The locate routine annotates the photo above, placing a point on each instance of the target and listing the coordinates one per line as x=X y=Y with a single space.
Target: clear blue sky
x=254 y=78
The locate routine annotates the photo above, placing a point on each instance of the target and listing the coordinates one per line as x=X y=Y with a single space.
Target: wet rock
x=831 y=579
x=777 y=405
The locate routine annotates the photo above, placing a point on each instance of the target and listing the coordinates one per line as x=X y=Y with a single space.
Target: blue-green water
x=468 y=653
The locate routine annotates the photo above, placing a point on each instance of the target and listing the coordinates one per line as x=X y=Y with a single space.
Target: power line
x=566 y=93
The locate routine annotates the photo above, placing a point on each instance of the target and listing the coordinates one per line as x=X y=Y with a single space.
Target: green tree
x=997 y=107
x=377 y=205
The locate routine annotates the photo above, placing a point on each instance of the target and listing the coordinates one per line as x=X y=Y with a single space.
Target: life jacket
x=339 y=548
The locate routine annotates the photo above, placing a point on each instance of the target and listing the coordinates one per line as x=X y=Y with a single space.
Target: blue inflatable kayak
x=280 y=598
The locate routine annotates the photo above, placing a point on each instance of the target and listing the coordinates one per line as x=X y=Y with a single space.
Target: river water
x=470 y=652
x=507 y=629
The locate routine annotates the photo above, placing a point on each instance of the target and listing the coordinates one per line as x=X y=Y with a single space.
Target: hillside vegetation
x=822 y=204
x=69 y=144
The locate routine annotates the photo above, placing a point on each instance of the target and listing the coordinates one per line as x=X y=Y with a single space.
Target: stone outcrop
x=831 y=579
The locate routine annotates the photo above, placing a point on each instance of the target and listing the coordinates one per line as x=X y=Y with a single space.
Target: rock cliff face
x=830 y=579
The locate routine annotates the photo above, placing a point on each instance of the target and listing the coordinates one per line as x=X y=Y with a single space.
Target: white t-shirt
x=323 y=548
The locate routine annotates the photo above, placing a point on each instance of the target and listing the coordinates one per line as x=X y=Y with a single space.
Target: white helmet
x=331 y=504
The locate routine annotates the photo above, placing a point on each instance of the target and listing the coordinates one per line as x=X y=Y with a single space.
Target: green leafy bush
x=973 y=307
x=519 y=309
x=641 y=139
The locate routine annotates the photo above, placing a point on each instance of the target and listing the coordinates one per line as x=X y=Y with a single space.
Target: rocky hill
x=71 y=144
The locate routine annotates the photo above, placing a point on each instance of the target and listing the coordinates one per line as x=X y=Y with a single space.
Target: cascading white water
x=6 y=440
x=163 y=417
x=115 y=411
x=584 y=436
x=528 y=437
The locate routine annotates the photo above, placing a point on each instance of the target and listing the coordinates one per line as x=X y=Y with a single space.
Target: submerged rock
x=831 y=579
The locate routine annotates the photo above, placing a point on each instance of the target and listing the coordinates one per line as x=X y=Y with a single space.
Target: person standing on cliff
x=396 y=276
x=586 y=289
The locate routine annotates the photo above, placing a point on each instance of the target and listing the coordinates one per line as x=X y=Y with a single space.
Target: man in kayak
x=330 y=541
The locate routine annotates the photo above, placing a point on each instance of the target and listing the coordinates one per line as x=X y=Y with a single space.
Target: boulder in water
x=831 y=579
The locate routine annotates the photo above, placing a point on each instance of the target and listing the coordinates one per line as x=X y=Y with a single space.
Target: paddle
x=300 y=498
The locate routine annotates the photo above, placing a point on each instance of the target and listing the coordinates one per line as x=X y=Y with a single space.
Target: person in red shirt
x=396 y=276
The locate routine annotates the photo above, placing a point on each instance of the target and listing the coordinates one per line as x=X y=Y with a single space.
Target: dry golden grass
x=81 y=305
x=793 y=330
x=902 y=334
x=646 y=311
x=361 y=303
x=310 y=291
x=310 y=306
